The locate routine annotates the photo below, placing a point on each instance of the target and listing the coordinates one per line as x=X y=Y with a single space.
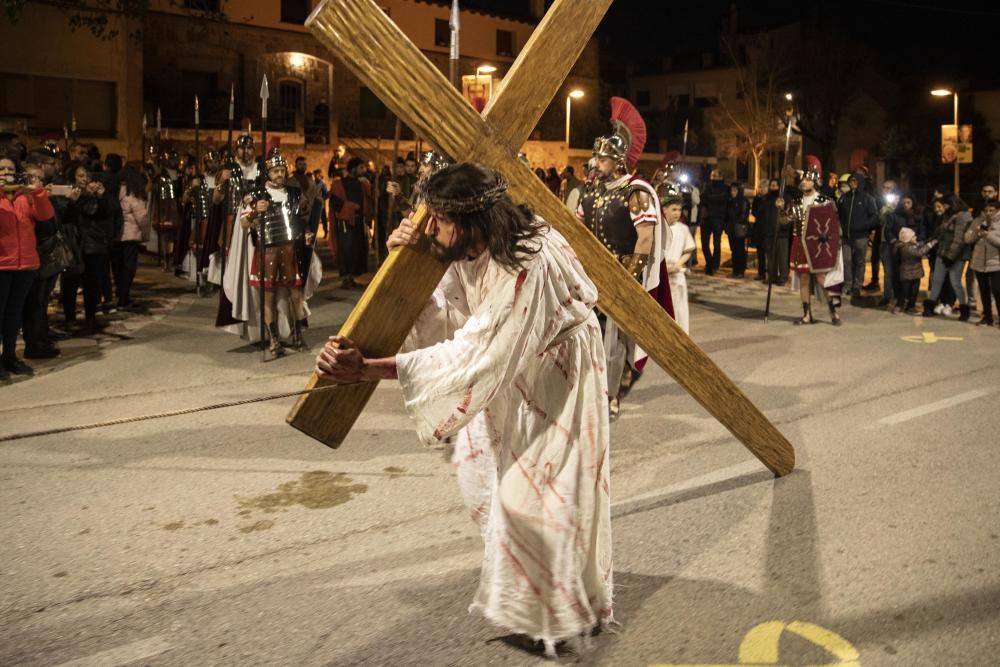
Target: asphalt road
x=226 y=537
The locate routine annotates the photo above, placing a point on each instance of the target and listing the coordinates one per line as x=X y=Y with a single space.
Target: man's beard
x=278 y=182
x=458 y=251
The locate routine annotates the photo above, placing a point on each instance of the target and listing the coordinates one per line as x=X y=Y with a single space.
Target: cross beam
x=379 y=54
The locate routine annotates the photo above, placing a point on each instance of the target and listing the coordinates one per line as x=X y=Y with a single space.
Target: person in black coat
x=714 y=203
x=737 y=228
x=86 y=209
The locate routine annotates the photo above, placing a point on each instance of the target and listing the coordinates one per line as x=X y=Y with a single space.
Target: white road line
x=656 y=495
x=122 y=655
x=937 y=406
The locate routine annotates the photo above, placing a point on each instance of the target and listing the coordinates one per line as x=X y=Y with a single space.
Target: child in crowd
x=680 y=245
x=911 y=269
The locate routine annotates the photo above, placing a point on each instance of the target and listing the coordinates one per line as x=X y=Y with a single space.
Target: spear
x=453 y=24
x=143 y=145
x=264 y=94
x=232 y=105
x=72 y=125
x=159 y=202
x=684 y=151
x=197 y=142
x=774 y=239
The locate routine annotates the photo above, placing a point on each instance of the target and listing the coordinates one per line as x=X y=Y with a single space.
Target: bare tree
x=747 y=122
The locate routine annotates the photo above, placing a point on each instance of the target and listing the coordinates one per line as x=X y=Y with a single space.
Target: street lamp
x=573 y=95
x=945 y=92
x=788 y=96
x=485 y=69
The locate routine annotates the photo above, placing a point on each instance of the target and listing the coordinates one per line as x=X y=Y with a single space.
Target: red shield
x=821 y=238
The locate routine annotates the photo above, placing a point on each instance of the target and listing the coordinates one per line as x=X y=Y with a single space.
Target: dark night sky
x=916 y=39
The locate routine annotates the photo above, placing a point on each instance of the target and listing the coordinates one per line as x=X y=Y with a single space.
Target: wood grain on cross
x=379 y=54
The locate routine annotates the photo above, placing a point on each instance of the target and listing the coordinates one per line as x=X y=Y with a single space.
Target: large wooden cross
x=380 y=55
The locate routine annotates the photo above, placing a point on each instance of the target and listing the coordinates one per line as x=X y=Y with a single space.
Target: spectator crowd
x=73 y=221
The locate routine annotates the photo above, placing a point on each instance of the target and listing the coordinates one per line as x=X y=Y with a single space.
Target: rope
x=163 y=415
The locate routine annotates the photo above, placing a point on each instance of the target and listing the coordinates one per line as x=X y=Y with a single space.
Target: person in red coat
x=351 y=210
x=21 y=207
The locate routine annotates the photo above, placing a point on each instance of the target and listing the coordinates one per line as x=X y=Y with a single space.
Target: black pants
x=14 y=287
x=778 y=267
x=711 y=245
x=989 y=290
x=693 y=228
x=876 y=259
x=761 y=258
x=106 y=286
x=124 y=262
x=906 y=294
x=739 y=248
x=35 y=318
x=90 y=280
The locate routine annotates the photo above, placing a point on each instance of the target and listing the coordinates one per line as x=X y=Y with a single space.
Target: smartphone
x=60 y=190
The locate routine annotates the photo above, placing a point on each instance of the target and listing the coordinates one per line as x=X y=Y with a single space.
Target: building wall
x=29 y=99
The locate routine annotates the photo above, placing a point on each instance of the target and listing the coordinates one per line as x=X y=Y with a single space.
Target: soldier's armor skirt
x=166 y=217
x=281 y=267
x=798 y=262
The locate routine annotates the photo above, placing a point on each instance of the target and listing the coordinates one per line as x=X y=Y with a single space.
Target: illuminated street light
x=573 y=95
x=297 y=60
x=788 y=96
x=941 y=92
x=485 y=69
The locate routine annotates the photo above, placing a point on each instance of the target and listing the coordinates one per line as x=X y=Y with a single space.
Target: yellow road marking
x=929 y=337
x=759 y=647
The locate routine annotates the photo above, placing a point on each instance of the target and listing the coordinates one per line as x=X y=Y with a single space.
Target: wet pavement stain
x=174 y=525
x=66 y=574
x=315 y=490
x=209 y=522
x=394 y=471
x=263 y=524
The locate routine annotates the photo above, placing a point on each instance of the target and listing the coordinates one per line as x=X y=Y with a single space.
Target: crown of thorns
x=478 y=201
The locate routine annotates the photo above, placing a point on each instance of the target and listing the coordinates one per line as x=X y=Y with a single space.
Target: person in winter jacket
x=952 y=255
x=714 y=204
x=911 y=255
x=984 y=237
x=737 y=228
x=125 y=250
x=86 y=210
x=20 y=207
x=858 y=217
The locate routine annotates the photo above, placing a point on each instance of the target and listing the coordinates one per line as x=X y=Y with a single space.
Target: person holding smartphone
x=21 y=206
x=86 y=211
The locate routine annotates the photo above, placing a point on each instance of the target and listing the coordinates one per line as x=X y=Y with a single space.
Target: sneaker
x=946 y=310
x=938 y=309
x=897 y=310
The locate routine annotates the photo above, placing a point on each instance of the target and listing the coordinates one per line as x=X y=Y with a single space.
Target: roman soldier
x=816 y=259
x=623 y=212
x=404 y=204
x=166 y=214
x=277 y=219
x=197 y=202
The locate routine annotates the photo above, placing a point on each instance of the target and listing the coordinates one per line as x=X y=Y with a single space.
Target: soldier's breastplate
x=165 y=189
x=606 y=214
x=280 y=224
x=200 y=202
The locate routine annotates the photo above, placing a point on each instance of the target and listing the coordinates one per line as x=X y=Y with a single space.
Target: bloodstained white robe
x=515 y=372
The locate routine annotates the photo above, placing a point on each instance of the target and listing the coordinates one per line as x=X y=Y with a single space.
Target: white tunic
x=517 y=377
x=679 y=242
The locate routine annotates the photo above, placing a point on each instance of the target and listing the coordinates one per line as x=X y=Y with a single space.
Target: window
x=505 y=43
x=203 y=5
x=289 y=104
x=442 y=33
x=371 y=106
x=294 y=11
x=642 y=98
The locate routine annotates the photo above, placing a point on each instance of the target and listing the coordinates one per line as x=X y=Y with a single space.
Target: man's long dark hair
x=511 y=231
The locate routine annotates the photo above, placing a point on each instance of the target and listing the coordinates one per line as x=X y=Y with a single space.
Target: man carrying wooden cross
x=507 y=359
